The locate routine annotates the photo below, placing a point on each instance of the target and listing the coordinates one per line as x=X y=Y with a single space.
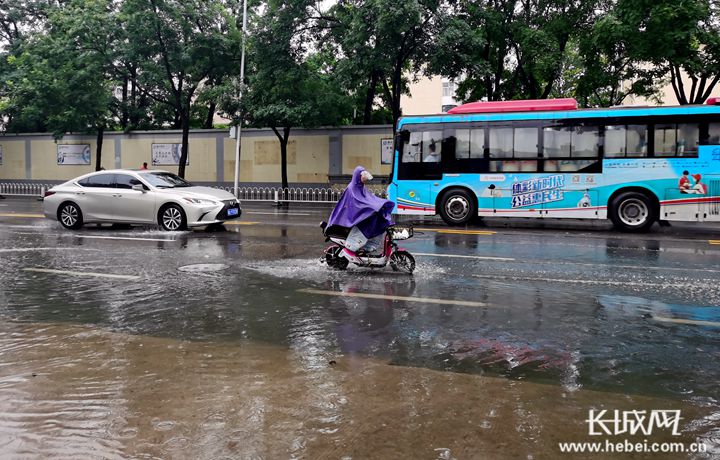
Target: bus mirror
x=404 y=136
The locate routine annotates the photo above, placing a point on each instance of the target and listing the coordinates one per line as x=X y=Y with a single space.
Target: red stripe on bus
x=414 y=208
x=709 y=199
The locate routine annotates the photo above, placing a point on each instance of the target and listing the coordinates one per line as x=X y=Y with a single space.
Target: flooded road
x=241 y=344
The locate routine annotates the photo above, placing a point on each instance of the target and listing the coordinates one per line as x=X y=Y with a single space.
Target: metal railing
x=271 y=194
x=23 y=188
x=296 y=194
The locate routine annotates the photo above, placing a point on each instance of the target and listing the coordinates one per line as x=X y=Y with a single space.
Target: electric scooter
x=338 y=256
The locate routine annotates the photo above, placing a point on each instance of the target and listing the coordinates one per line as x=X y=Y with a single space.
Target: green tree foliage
x=287 y=85
x=609 y=72
x=510 y=49
x=62 y=81
x=677 y=37
x=178 y=46
x=381 y=42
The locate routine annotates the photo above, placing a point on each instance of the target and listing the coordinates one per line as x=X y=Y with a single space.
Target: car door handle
x=117 y=196
x=80 y=193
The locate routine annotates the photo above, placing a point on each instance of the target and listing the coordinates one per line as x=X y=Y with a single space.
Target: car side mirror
x=139 y=187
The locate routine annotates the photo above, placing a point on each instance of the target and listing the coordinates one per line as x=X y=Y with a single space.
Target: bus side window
x=677 y=140
x=625 y=140
x=501 y=142
x=714 y=134
x=431 y=146
x=688 y=135
x=412 y=148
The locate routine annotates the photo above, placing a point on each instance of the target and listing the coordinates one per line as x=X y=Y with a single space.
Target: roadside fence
x=23 y=188
x=268 y=194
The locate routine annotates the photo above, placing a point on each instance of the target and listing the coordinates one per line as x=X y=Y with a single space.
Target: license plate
x=232 y=212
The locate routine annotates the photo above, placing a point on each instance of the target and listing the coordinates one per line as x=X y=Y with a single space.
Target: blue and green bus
x=547 y=159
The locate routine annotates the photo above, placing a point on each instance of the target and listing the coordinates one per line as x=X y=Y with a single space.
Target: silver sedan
x=138 y=197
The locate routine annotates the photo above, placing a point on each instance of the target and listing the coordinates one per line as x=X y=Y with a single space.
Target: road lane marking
x=72 y=273
x=279 y=213
x=119 y=238
x=46 y=249
x=12 y=214
x=240 y=223
x=430 y=254
x=714 y=241
x=456 y=232
x=691 y=322
x=366 y=295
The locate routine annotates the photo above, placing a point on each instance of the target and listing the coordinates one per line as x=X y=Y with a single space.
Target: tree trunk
x=98 y=150
x=185 y=124
x=125 y=114
x=211 y=114
x=370 y=97
x=283 y=138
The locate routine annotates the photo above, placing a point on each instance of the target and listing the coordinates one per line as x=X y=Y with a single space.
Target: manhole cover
x=194 y=268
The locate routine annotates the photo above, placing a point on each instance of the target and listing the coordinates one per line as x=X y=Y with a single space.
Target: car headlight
x=199 y=200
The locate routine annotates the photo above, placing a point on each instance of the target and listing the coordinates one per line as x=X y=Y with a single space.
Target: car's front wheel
x=70 y=216
x=172 y=218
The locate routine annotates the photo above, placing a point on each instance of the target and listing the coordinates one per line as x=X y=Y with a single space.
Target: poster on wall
x=167 y=155
x=73 y=154
x=386 y=151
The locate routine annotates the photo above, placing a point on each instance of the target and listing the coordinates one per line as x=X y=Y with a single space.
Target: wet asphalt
x=567 y=306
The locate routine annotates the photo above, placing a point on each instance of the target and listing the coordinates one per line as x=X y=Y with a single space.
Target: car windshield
x=165 y=180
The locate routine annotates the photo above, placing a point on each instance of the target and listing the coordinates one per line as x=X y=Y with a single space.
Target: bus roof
x=530 y=105
x=555 y=113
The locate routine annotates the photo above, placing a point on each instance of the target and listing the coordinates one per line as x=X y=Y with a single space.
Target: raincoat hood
x=358 y=206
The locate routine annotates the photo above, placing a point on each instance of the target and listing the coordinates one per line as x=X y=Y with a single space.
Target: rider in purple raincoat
x=361 y=211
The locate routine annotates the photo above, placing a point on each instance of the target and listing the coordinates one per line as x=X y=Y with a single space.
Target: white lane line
x=72 y=273
x=45 y=249
x=631 y=267
x=430 y=254
x=365 y=295
x=691 y=322
x=279 y=213
x=576 y=281
x=120 y=238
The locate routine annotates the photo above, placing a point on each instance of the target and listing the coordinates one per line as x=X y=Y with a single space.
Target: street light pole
x=238 y=128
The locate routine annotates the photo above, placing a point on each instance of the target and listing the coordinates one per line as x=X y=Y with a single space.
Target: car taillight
x=48 y=193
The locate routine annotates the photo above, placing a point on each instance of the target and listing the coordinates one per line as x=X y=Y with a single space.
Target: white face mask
x=366 y=176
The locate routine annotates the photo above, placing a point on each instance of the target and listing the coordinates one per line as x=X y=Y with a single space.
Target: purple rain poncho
x=358 y=206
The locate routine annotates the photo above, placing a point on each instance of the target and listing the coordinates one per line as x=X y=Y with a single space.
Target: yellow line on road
x=687 y=321
x=12 y=214
x=72 y=273
x=240 y=223
x=366 y=295
x=714 y=241
x=458 y=232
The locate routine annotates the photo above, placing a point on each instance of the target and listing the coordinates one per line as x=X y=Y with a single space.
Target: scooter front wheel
x=402 y=261
x=334 y=260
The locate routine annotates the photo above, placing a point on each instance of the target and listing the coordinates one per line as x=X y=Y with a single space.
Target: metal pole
x=238 y=129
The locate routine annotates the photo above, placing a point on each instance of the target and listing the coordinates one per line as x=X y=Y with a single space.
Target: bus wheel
x=632 y=212
x=457 y=207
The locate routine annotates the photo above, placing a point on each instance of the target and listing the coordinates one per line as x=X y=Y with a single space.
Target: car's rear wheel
x=172 y=218
x=70 y=216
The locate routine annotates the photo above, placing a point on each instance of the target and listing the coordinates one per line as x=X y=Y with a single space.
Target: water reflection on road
x=249 y=361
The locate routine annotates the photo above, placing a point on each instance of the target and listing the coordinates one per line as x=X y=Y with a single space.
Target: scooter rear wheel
x=334 y=260
x=402 y=261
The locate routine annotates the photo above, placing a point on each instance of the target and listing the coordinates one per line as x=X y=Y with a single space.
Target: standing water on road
x=241 y=343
